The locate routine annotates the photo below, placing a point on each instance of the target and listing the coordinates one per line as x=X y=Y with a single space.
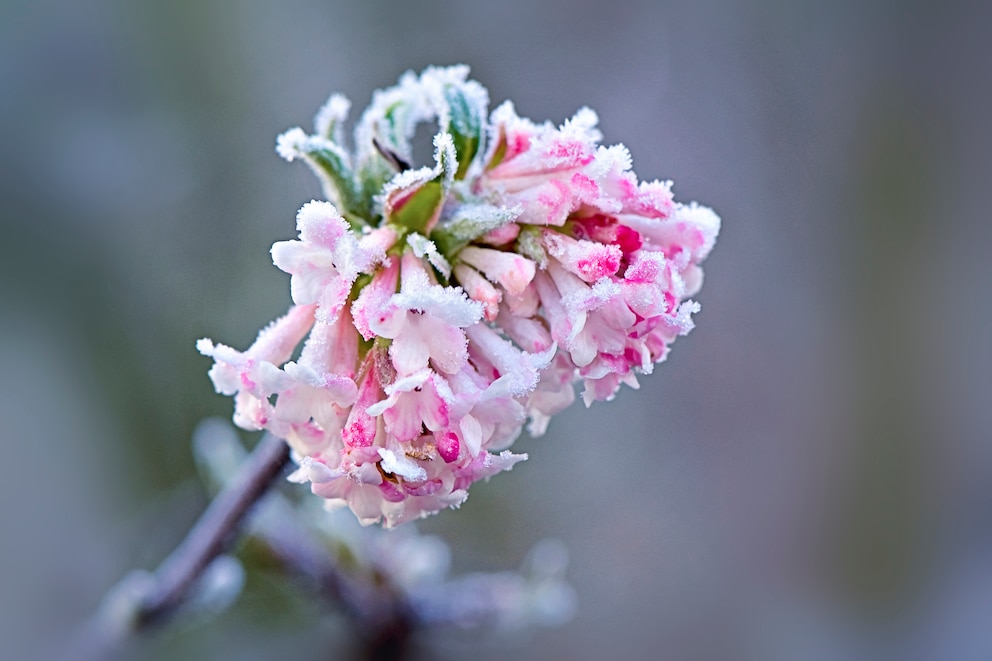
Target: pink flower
x=414 y=403
x=423 y=320
x=445 y=306
x=618 y=257
x=327 y=258
x=254 y=375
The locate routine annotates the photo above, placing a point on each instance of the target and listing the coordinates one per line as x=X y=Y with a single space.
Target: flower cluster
x=440 y=308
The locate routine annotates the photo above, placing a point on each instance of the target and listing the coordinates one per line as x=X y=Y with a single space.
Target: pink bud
x=448 y=446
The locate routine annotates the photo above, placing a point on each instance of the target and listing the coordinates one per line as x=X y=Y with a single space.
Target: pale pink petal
x=589 y=260
x=372 y=310
x=479 y=289
x=360 y=428
x=277 y=341
x=412 y=403
x=501 y=235
x=553 y=394
x=508 y=269
x=485 y=466
x=401 y=466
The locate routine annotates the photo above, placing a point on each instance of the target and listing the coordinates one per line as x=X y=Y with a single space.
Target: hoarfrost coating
x=443 y=307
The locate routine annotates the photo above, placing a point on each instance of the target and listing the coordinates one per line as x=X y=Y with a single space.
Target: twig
x=383 y=619
x=215 y=529
x=141 y=601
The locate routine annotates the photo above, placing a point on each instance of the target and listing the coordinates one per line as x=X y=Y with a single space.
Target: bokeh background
x=809 y=476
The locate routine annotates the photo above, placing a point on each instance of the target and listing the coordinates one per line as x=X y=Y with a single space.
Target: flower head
x=443 y=307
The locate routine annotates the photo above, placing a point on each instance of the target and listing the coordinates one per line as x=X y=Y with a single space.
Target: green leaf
x=468 y=223
x=394 y=129
x=419 y=208
x=465 y=127
x=331 y=167
x=529 y=245
x=500 y=153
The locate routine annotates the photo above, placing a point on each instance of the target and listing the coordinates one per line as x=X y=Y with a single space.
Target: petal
x=402 y=466
x=509 y=269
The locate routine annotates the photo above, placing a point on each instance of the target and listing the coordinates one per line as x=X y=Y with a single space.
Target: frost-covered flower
x=442 y=307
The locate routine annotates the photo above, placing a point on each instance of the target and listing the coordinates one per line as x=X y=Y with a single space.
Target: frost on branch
x=372 y=571
x=443 y=307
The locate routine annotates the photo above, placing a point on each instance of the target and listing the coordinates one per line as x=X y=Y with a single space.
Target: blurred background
x=809 y=476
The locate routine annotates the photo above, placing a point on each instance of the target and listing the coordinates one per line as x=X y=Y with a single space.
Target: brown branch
x=139 y=602
x=214 y=530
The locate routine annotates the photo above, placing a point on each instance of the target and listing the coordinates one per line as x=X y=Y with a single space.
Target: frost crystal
x=445 y=306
